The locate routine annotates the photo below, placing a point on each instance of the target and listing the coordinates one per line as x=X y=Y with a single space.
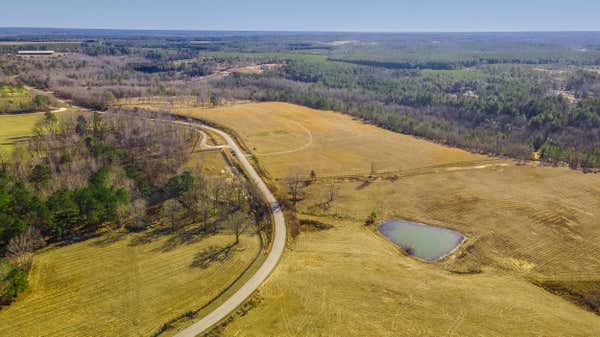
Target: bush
x=371 y=219
x=15 y=283
x=40 y=175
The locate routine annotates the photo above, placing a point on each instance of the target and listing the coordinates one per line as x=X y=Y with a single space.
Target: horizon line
x=304 y=31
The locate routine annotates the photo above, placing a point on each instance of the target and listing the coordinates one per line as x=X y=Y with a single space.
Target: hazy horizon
x=380 y=16
x=294 y=31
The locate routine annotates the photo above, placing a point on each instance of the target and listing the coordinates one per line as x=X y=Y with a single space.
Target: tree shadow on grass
x=364 y=185
x=183 y=234
x=150 y=236
x=188 y=235
x=212 y=255
x=108 y=239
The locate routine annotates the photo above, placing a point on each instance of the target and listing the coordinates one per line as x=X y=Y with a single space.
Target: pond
x=427 y=242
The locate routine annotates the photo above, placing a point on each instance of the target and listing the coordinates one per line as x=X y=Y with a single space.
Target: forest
x=526 y=96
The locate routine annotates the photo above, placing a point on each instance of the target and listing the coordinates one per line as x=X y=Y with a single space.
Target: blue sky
x=309 y=15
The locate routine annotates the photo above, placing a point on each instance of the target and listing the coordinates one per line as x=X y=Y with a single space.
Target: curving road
x=205 y=146
x=271 y=261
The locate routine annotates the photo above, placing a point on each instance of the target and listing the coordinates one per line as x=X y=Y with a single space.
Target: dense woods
x=513 y=111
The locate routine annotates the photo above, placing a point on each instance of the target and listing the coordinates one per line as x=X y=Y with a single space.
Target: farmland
x=119 y=219
x=122 y=284
x=526 y=225
x=16 y=128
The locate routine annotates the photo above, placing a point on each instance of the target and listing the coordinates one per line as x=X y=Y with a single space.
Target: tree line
x=121 y=170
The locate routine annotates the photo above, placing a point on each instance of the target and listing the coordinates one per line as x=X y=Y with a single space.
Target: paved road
x=204 y=146
x=269 y=264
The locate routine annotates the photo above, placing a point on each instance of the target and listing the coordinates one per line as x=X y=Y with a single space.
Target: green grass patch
x=15 y=129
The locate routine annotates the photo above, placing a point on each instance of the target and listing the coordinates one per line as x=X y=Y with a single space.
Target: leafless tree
x=237 y=223
x=332 y=190
x=138 y=213
x=257 y=207
x=217 y=186
x=21 y=247
x=171 y=210
x=373 y=170
x=313 y=176
x=294 y=183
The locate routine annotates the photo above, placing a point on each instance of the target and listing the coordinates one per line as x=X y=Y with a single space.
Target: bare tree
x=218 y=184
x=171 y=210
x=21 y=247
x=257 y=207
x=373 y=170
x=138 y=213
x=294 y=183
x=193 y=201
x=237 y=194
x=237 y=223
x=313 y=176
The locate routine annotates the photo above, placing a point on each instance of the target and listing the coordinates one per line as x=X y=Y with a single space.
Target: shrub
x=371 y=219
x=16 y=282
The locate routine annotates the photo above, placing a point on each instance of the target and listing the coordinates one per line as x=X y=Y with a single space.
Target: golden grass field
x=124 y=284
x=524 y=224
x=117 y=286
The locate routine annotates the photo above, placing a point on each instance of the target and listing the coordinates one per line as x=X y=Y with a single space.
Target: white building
x=36 y=52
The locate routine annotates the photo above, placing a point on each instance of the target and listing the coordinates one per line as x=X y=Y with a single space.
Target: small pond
x=427 y=242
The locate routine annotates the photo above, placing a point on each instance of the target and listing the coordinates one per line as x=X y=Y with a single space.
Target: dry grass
x=339 y=143
x=112 y=286
x=523 y=223
x=347 y=281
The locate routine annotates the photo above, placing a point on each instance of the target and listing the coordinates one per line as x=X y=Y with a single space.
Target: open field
x=16 y=128
x=287 y=137
x=121 y=285
x=524 y=224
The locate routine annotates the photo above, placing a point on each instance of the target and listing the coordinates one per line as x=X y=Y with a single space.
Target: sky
x=307 y=15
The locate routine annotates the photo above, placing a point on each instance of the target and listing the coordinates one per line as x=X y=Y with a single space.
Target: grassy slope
x=18 y=127
x=104 y=288
x=523 y=223
x=15 y=128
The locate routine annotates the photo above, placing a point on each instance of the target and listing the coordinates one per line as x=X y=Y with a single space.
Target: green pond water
x=427 y=242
